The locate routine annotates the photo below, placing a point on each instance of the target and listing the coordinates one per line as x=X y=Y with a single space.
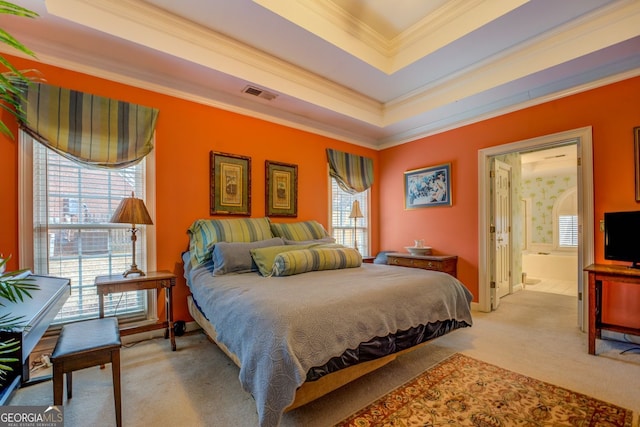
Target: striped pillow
x=264 y=257
x=304 y=230
x=204 y=233
x=314 y=259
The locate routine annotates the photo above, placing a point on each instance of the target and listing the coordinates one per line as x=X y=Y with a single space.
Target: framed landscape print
x=230 y=184
x=427 y=187
x=281 y=189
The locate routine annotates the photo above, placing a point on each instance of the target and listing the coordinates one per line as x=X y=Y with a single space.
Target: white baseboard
x=157 y=333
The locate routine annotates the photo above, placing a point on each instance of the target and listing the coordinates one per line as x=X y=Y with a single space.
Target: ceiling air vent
x=252 y=90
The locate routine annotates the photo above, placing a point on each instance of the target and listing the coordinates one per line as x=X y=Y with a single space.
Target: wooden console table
x=106 y=285
x=597 y=274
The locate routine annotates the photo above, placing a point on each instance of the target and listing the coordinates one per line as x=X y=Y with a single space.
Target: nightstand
x=368 y=259
x=445 y=263
x=106 y=285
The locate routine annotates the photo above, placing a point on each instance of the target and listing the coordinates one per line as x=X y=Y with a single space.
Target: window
x=342 y=227
x=565 y=213
x=66 y=224
x=568 y=230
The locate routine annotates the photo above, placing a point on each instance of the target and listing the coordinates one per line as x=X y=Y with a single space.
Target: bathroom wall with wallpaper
x=543 y=191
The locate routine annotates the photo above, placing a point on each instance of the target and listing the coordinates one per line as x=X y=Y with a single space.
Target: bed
x=301 y=316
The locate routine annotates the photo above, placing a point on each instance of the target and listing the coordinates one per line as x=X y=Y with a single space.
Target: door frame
x=585 y=209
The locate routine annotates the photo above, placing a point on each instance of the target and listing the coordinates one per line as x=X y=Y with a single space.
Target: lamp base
x=133 y=270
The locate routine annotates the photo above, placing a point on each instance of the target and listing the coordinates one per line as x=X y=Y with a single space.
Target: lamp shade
x=131 y=211
x=355 y=210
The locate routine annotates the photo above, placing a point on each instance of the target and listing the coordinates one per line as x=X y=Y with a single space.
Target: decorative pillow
x=264 y=257
x=204 y=233
x=309 y=242
x=301 y=231
x=314 y=259
x=235 y=257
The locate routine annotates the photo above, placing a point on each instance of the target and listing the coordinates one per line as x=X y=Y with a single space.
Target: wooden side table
x=445 y=263
x=599 y=273
x=106 y=285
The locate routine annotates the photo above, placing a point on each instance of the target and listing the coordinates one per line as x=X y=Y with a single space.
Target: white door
x=501 y=180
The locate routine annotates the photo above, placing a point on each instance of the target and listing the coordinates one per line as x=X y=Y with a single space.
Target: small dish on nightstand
x=414 y=250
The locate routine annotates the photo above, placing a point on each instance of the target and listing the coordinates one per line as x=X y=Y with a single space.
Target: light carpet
x=463 y=391
x=532 y=333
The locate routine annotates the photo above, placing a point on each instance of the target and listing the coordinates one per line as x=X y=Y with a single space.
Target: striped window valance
x=88 y=129
x=353 y=173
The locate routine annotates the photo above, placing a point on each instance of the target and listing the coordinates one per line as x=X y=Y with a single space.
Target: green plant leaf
x=7 y=323
x=8 y=347
x=10 y=90
x=13 y=9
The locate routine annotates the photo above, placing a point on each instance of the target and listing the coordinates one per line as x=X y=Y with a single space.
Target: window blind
x=568 y=230
x=73 y=238
x=342 y=227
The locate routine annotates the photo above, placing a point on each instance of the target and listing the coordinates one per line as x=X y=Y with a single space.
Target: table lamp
x=132 y=211
x=355 y=214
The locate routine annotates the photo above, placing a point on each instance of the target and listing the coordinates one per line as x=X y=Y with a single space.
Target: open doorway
x=585 y=223
x=534 y=221
x=548 y=214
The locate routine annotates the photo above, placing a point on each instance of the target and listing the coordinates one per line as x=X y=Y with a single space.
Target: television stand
x=597 y=274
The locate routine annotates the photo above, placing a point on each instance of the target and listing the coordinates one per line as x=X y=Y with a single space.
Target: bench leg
x=58 y=384
x=115 y=372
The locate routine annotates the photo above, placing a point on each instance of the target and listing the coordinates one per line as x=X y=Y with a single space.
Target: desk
x=597 y=274
x=152 y=280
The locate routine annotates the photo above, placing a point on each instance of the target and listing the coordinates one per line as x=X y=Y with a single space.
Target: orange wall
x=613 y=111
x=186 y=133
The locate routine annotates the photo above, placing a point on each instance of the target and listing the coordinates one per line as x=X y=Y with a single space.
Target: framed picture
x=281 y=196
x=427 y=187
x=636 y=152
x=230 y=184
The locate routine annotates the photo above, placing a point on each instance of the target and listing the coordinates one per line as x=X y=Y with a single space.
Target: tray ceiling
x=371 y=72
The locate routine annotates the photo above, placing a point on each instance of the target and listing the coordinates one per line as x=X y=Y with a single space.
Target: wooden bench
x=85 y=344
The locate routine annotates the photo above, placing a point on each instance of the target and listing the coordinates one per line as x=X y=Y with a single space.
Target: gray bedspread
x=280 y=327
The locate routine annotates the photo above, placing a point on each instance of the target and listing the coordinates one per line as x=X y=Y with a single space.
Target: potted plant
x=14 y=287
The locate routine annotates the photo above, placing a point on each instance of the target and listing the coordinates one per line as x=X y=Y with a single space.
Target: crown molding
x=166 y=32
x=335 y=25
x=431 y=129
x=450 y=22
x=152 y=27
x=614 y=24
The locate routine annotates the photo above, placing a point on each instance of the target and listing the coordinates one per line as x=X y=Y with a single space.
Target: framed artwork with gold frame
x=281 y=195
x=230 y=182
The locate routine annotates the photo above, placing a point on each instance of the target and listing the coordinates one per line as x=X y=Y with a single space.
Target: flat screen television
x=622 y=237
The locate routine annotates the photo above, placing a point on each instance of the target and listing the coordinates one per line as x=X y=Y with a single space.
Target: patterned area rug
x=462 y=391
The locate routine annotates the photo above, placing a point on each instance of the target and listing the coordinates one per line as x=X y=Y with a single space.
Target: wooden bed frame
x=308 y=391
